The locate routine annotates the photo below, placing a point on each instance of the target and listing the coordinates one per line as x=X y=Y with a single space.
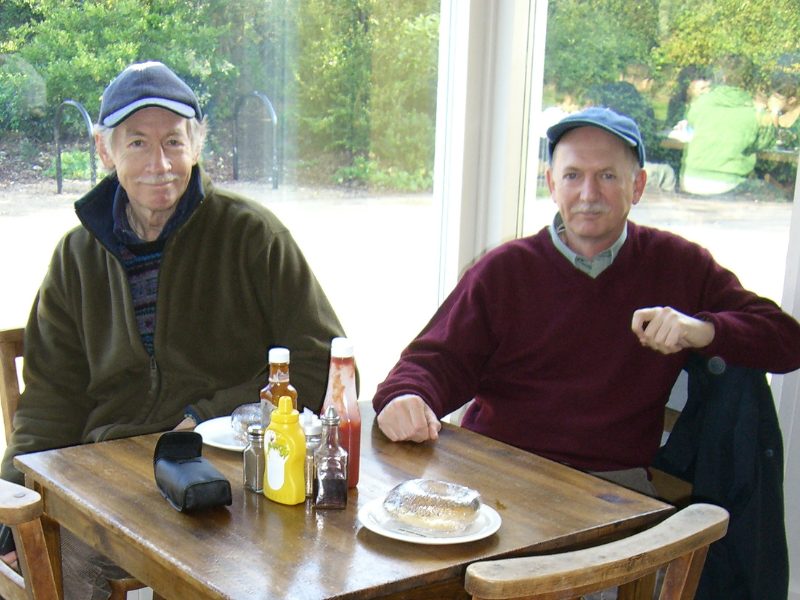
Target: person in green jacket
x=157 y=311
x=728 y=130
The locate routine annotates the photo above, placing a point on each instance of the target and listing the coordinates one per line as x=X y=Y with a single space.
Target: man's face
x=594 y=181
x=153 y=156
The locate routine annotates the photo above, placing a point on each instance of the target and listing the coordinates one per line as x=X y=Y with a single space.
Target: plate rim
x=213 y=425
x=493 y=525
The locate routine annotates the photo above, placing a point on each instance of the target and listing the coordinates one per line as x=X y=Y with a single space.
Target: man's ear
x=103 y=152
x=548 y=175
x=638 y=185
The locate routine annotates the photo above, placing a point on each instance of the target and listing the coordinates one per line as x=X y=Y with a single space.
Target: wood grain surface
x=255 y=548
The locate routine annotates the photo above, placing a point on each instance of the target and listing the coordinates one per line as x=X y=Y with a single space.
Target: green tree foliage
x=403 y=95
x=353 y=81
x=250 y=38
x=103 y=37
x=78 y=46
x=13 y=14
x=22 y=94
x=703 y=31
x=332 y=77
x=591 y=42
x=365 y=89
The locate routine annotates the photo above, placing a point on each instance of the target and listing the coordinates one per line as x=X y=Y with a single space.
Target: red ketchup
x=341 y=394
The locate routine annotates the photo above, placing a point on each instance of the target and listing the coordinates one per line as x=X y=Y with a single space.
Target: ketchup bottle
x=342 y=395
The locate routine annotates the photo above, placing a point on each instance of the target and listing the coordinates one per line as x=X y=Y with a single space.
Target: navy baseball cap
x=147 y=84
x=621 y=126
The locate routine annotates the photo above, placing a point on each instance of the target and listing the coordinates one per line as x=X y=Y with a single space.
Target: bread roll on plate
x=433 y=506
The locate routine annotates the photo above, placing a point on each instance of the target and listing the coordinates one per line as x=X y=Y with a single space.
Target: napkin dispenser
x=188 y=481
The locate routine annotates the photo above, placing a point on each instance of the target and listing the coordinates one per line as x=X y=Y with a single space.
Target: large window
x=497 y=60
x=323 y=110
x=718 y=106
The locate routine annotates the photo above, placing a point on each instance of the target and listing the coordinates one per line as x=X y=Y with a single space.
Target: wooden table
x=106 y=494
x=774 y=155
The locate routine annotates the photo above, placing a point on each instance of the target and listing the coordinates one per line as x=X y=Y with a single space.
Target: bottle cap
x=278 y=355
x=341 y=347
x=255 y=431
x=310 y=423
x=331 y=417
x=285 y=413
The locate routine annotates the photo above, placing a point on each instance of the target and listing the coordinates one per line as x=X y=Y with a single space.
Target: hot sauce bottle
x=278 y=383
x=342 y=395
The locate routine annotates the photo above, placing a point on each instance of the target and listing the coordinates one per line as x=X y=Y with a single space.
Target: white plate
x=219 y=433
x=374 y=518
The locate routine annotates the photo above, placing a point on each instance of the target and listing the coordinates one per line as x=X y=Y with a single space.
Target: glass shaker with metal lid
x=330 y=462
x=253 y=459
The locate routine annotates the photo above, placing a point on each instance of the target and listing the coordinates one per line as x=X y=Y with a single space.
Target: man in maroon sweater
x=570 y=340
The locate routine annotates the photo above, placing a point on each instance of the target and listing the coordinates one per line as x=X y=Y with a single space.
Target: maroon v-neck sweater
x=548 y=352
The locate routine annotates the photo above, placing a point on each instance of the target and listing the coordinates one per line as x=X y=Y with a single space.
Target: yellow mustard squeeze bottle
x=285 y=448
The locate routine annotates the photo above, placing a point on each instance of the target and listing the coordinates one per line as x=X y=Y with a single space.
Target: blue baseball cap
x=621 y=126
x=147 y=84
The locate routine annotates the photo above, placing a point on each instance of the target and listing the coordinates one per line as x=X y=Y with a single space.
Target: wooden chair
x=21 y=509
x=679 y=543
x=11 y=346
x=10 y=350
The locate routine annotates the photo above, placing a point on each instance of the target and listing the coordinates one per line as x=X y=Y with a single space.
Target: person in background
x=627 y=98
x=157 y=310
x=692 y=82
x=727 y=131
x=784 y=101
x=784 y=106
x=567 y=343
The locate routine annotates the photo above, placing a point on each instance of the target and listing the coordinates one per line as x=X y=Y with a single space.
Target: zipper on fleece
x=155 y=379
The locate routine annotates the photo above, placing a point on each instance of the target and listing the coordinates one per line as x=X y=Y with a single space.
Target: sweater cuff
x=190 y=413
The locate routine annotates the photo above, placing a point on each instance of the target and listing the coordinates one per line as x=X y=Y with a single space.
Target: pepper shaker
x=312 y=428
x=254 y=460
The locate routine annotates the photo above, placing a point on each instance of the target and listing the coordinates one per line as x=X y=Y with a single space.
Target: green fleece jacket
x=232 y=284
x=726 y=136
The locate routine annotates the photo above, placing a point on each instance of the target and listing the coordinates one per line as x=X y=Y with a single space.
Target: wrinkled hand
x=408 y=418
x=666 y=330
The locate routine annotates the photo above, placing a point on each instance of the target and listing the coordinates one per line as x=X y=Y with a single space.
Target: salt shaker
x=312 y=428
x=253 y=459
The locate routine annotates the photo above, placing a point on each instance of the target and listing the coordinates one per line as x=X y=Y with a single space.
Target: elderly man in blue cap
x=157 y=311
x=569 y=341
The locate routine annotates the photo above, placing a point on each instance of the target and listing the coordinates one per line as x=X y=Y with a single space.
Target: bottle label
x=277 y=455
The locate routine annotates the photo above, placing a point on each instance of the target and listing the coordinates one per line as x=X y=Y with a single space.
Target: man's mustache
x=589 y=208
